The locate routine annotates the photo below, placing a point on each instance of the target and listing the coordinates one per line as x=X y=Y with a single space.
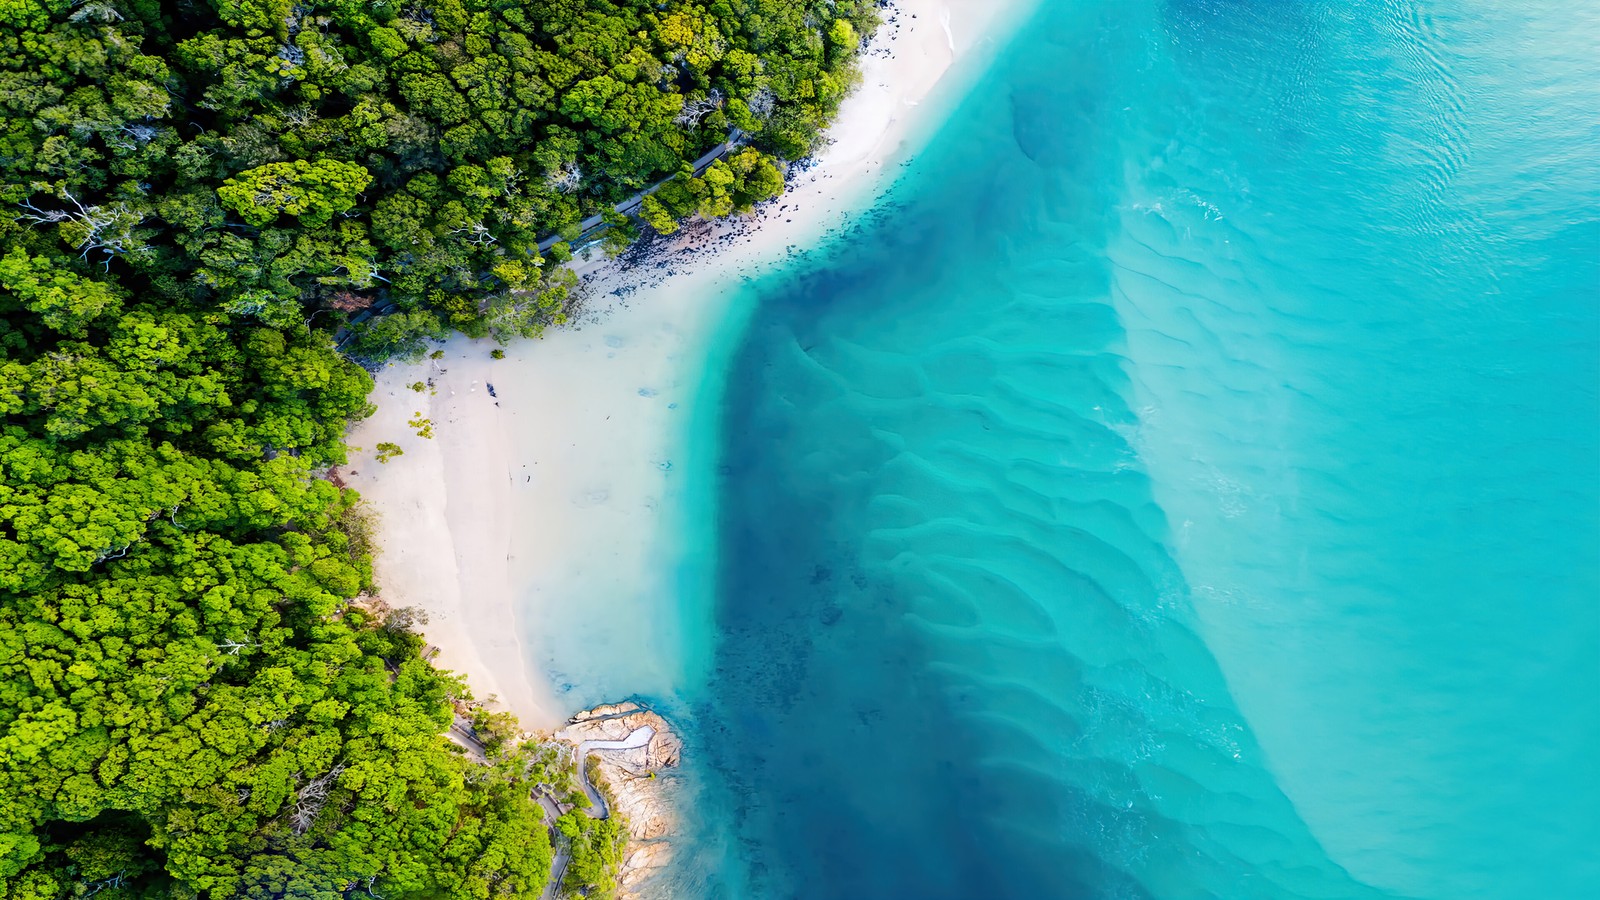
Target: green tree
x=311 y=191
x=657 y=216
x=64 y=300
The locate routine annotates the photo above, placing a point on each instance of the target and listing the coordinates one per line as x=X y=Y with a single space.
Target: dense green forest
x=196 y=697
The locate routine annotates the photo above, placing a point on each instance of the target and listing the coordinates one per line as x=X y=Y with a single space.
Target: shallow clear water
x=1189 y=486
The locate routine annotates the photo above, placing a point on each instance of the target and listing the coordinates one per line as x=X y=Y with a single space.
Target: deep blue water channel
x=1188 y=485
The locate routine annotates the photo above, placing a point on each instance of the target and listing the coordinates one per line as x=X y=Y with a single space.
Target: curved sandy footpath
x=636 y=738
x=536 y=527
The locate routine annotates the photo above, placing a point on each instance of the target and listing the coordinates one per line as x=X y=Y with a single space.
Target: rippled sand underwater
x=1187 y=487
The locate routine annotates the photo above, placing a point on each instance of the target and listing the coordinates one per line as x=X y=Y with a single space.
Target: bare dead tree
x=95 y=887
x=762 y=103
x=699 y=109
x=406 y=618
x=311 y=798
x=349 y=301
x=142 y=133
x=95 y=11
x=299 y=116
x=566 y=179
x=108 y=229
x=477 y=233
x=303 y=818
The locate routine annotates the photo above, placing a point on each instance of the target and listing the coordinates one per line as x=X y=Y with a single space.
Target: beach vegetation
x=559 y=252
x=497 y=729
x=333 y=159
x=734 y=184
x=655 y=214
x=596 y=846
x=214 y=215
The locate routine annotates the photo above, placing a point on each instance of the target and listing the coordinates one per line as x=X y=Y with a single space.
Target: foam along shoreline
x=534 y=527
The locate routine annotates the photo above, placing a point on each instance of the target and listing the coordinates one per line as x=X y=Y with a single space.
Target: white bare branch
x=310 y=799
x=299 y=116
x=108 y=229
x=566 y=179
x=699 y=109
x=96 y=11
x=477 y=233
x=113 y=553
x=141 y=133
x=233 y=647
x=95 y=887
x=762 y=103
x=509 y=184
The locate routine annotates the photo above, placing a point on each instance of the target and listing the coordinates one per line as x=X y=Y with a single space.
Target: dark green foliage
x=189 y=700
x=195 y=700
x=734 y=184
x=283 y=160
x=596 y=846
x=225 y=696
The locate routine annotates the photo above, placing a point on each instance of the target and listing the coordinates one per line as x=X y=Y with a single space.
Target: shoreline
x=540 y=518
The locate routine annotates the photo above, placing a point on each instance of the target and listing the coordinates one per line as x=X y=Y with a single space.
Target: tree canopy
x=282 y=160
x=198 y=697
x=189 y=700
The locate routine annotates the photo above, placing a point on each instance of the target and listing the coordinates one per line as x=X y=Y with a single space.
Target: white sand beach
x=541 y=517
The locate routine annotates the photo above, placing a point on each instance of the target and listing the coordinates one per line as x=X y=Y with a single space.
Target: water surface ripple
x=1188 y=486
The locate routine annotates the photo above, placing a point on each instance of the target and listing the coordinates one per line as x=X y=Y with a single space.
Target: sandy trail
x=636 y=738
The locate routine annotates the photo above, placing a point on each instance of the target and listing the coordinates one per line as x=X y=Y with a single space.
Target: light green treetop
x=311 y=191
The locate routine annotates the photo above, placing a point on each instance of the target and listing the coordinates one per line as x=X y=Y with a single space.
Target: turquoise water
x=1187 y=486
